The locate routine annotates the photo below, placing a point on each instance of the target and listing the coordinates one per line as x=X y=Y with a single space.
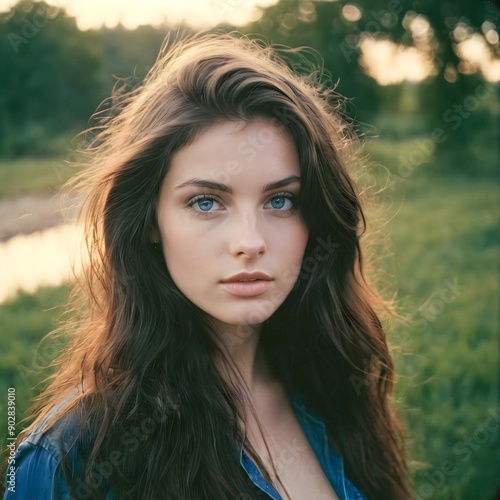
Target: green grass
x=32 y=175
x=444 y=234
x=444 y=231
x=447 y=273
x=24 y=321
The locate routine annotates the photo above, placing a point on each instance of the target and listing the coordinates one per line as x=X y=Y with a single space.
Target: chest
x=288 y=457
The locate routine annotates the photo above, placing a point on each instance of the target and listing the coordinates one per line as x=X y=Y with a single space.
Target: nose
x=246 y=238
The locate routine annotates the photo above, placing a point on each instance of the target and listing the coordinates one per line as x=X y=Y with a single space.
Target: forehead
x=236 y=152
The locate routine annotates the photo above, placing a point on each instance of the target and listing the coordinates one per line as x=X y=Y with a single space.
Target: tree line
x=54 y=75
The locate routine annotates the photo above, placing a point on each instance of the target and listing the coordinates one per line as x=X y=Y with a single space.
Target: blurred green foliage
x=434 y=149
x=24 y=321
x=445 y=248
x=446 y=255
x=50 y=76
x=54 y=76
x=32 y=175
x=451 y=98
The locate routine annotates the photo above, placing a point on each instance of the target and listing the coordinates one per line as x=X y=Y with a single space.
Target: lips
x=247 y=278
x=248 y=284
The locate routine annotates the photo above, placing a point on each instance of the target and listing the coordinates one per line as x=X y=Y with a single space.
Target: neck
x=241 y=345
x=266 y=397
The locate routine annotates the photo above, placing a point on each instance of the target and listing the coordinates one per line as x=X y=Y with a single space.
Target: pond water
x=44 y=258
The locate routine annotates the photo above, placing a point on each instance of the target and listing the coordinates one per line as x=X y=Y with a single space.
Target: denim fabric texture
x=39 y=473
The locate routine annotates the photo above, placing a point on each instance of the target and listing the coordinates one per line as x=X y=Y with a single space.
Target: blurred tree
x=129 y=54
x=455 y=96
x=54 y=76
x=51 y=76
x=320 y=26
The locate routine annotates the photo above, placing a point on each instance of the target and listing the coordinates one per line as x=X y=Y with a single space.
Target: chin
x=250 y=318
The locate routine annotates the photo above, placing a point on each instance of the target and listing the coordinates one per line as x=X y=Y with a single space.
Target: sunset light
x=384 y=60
x=133 y=13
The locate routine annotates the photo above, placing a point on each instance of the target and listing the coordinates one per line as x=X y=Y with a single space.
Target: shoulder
x=41 y=459
x=36 y=472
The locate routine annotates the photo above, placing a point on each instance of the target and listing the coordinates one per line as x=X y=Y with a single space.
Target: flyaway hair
x=139 y=381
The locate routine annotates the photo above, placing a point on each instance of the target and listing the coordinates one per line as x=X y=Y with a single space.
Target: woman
x=226 y=344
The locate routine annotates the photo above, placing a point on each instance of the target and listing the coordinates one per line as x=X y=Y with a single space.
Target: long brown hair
x=140 y=356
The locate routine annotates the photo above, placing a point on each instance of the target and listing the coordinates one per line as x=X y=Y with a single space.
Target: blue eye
x=279 y=203
x=283 y=204
x=205 y=203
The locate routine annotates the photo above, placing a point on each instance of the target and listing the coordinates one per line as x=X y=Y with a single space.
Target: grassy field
x=444 y=233
x=446 y=266
x=32 y=175
x=448 y=275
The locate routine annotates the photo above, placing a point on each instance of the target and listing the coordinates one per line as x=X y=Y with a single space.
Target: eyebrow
x=226 y=189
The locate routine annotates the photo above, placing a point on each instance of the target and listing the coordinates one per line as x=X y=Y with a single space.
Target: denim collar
x=330 y=460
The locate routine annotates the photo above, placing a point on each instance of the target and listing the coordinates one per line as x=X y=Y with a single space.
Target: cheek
x=178 y=254
x=297 y=241
x=293 y=248
x=175 y=242
x=185 y=249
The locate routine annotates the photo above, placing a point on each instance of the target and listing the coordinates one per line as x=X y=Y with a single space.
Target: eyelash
x=282 y=213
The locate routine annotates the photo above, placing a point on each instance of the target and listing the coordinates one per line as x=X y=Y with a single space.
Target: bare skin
x=288 y=449
x=210 y=232
x=288 y=452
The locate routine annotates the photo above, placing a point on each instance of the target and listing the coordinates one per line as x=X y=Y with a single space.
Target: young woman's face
x=227 y=206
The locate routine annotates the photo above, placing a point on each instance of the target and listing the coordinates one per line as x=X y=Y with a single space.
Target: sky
x=384 y=61
x=132 y=13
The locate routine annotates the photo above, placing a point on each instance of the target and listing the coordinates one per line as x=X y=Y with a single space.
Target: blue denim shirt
x=330 y=460
x=39 y=475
